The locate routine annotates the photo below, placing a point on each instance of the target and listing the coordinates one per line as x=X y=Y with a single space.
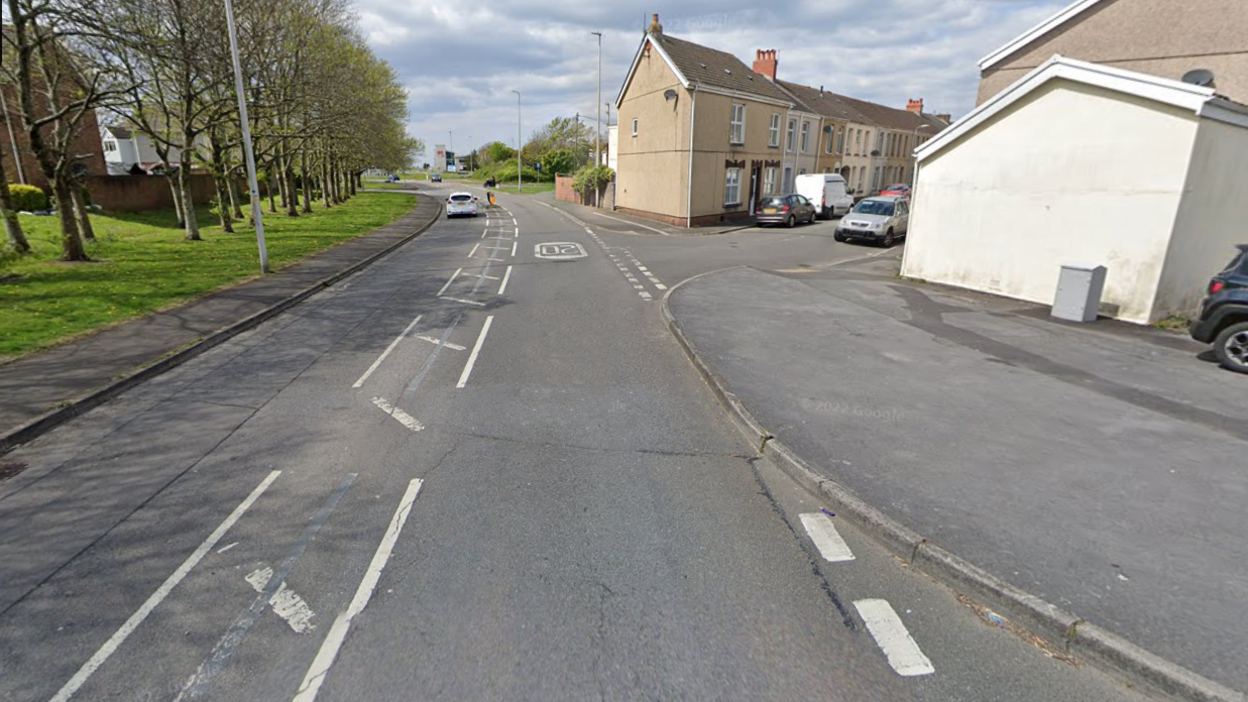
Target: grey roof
x=119 y=132
x=837 y=106
x=718 y=69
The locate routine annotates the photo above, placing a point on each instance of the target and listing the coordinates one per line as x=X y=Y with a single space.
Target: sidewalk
x=53 y=381
x=1102 y=468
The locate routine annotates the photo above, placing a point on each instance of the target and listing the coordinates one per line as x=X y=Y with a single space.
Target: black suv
x=1223 y=317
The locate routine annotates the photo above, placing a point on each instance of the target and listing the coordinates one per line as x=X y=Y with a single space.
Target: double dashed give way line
x=889 y=632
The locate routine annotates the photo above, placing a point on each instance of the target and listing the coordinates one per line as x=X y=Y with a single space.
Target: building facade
x=1165 y=38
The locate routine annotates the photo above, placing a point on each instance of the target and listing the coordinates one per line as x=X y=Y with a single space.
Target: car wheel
x=813 y=216
x=889 y=240
x=1231 y=347
x=839 y=237
x=792 y=222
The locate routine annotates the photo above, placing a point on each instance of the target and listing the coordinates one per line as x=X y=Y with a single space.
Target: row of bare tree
x=322 y=107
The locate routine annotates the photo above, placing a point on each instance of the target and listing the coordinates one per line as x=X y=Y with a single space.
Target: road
x=479 y=469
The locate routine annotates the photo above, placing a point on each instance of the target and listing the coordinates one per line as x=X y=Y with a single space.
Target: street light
x=519 y=146
x=247 y=152
x=598 y=115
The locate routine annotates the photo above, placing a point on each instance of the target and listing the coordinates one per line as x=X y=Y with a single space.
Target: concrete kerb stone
x=1066 y=631
x=33 y=429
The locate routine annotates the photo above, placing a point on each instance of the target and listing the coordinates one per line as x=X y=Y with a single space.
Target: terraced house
x=703 y=137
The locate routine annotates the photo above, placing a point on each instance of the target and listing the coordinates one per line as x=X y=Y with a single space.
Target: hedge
x=27 y=198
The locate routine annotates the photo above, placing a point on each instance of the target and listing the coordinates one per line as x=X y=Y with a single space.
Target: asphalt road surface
x=480 y=469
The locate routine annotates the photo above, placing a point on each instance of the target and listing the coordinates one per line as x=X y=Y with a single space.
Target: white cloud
x=461 y=60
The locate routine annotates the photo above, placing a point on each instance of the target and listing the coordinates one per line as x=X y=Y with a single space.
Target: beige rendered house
x=1131 y=155
x=1165 y=38
x=702 y=137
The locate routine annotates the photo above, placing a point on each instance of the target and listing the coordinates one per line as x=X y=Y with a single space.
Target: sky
x=460 y=61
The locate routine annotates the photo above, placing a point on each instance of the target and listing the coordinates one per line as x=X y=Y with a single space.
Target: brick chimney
x=765 y=63
x=655 y=28
x=915 y=106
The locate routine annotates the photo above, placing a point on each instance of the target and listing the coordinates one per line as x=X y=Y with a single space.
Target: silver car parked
x=879 y=219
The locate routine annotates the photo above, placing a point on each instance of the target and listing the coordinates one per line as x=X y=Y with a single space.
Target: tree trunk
x=12 y=227
x=231 y=184
x=288 y=174
x=268 y=186
x=71 y=242
x=188 y=199
x=351 y=178
x=81 y=214
x=223 y=206
x=325 y=183
x=307 y=181
x=177 y=199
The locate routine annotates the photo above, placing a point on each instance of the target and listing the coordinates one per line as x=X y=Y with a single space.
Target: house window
x=110 y=146
x=773 y=137
x=875 y=178
x=732 y=187
x=805 y=136
x=634 y=127
x=736 y=135
x=792 y=131
x=769 y=180
x=827 y=148
x=857 y=139
x=840 y=140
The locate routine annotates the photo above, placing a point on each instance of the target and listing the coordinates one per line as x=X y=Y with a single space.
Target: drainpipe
x=693 y=109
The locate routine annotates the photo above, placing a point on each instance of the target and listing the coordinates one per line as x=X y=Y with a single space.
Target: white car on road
x=461 y=204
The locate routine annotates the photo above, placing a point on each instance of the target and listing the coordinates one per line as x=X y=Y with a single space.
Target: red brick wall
x=141 y=193
x=87 y=144
x=564 y=191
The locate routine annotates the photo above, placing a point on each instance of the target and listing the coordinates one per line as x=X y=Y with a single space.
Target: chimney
x=765 y=63
x=915 y=106
x=655 y=28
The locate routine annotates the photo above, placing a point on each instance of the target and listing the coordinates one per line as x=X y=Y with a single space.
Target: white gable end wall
x=1212 y=219
x=1070 y=173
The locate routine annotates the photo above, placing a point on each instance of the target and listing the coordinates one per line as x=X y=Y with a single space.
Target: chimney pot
x=655 y=27
x=915 y=106
x=765 y=63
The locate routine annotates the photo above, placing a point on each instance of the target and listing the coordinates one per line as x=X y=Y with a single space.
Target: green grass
x=142 y=263
x=383 y=185
x=529 y=188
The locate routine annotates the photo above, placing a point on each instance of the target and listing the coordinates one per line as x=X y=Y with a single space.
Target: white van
x=827 y=191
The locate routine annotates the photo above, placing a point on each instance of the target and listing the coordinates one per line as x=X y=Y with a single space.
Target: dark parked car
x=787 y=210
x=1223 y=319
x=436 y=178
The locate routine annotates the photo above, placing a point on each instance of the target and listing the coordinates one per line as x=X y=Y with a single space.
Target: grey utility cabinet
x=1079 y=293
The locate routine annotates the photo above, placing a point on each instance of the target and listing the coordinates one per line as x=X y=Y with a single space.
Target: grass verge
x=142 y=264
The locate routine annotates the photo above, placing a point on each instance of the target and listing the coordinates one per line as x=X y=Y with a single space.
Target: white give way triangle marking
x=285 y=603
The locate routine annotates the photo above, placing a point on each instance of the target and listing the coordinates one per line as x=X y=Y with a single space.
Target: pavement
x=480 y=468
x=36 y=384
x=1099 y=467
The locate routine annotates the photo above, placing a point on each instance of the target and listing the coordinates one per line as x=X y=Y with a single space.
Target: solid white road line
x=891 y=636
x=328 y=652
x=385 y=353
x=466 y=302
x=399 y=415
x=474 y=249
x=506 y=277
x=513 y=246
x=476 y=349
x=827 y=539
x=161 y=593
x=438 y=342
x=635 y=224
x=452 y=280
x=285 y=603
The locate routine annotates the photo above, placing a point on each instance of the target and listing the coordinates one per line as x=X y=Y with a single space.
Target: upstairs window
x=736 y=135
x=634 y=127
x=792 y=133
x=773 y=136
x=805 y=137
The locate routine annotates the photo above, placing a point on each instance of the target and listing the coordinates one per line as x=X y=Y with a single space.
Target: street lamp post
x=598 y=116
x=249 y=156
x=914 y=172
x=519 y=146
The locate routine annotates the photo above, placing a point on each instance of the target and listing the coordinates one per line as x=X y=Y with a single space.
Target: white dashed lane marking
x=827 y=539
x=893 y=639
x=397 y=414
x=285 y=603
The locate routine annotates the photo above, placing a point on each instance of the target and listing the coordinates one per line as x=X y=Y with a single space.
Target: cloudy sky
x=461 y=60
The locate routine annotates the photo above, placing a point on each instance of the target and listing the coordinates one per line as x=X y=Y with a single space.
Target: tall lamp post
x=519 y=146
x=247 y=152
x=598 y=116
x=914 y=174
